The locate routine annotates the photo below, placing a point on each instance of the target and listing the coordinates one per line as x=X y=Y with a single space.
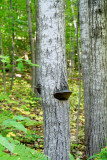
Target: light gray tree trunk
x=93 y=22
x=53 y=77
x=31 y=44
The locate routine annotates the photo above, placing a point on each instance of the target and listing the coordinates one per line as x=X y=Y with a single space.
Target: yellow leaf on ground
x=10 y=134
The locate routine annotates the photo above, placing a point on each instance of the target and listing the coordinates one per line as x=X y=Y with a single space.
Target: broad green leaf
x=71 y=157
x=19 y=60
x=9 y=66
x=13 y=123
x=1 y=56
x=20 y=66
x=94 y=156
x=6 y=143
x=36 y=65
x=21 y=118
x=3 y=60
x=31 y=64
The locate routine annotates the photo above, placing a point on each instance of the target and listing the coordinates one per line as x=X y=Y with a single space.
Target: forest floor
x=21 y=102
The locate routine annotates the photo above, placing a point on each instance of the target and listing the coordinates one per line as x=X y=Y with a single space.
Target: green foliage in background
x=101 y=156
x=18 y=151
x=21 y=116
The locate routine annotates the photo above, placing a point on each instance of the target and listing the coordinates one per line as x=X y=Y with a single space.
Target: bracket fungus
x=62 y=94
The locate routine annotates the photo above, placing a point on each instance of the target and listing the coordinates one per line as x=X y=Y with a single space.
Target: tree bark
x=53 y=77
x=13 y=47
x=94 y=67
x=37 y=52
x=31 y=44
x=4 y=74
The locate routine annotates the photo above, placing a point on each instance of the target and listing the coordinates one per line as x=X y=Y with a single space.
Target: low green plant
x=71 y=157
x=18 y=151
x=21 y=61
x=13 y=149
x=100 y=156
x=6 y=100
x=12 y=123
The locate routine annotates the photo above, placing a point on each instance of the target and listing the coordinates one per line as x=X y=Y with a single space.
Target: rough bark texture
x=37 y=52
x=93 y=20
x=53 y=77
x=31 y=44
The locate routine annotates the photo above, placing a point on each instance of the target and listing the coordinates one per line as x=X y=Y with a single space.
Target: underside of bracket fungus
x=62 y=94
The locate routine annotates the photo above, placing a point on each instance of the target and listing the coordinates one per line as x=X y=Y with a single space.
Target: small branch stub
x=62 y=94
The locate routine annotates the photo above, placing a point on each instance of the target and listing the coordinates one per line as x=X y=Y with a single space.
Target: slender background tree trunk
x=93 y=16
x=4 y=74
x=53 y=77
x=37 y=52
x=13 y=47
x=31 y=44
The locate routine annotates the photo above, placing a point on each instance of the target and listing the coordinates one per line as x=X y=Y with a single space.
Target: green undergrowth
x=77 y=147
x=20 y=152
x=21 y=120
x=100 y=156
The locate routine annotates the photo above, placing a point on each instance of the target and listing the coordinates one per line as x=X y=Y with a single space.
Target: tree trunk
x=37 y=52
x=94 y=67
x=4 y=74
x=13 y=47
x=53 y=77
x=31 y=44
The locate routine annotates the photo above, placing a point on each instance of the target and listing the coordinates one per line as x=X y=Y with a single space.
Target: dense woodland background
x=21 y=116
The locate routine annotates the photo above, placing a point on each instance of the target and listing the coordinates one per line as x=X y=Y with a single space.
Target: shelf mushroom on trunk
x=62 y=94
